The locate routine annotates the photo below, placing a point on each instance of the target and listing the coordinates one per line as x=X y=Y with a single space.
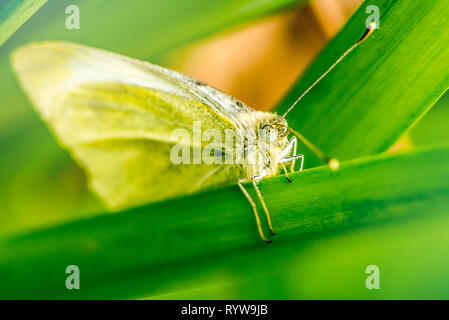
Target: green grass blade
x=383 y=87
x=143 y=250
x=410 y=253
x=14 y=13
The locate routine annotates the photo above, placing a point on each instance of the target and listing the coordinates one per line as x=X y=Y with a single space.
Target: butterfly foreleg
x=295 y=145
x=293 y=158
x=291 y=149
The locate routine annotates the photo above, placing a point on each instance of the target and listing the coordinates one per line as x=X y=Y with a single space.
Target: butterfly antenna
x=365 y=36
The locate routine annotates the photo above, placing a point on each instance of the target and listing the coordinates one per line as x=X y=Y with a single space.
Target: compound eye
x=269 y=134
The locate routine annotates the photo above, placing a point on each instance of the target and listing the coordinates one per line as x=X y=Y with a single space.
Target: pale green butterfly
x=116 y=115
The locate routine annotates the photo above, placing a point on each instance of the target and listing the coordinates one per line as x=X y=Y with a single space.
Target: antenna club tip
x=372 y=26
x=334 y=164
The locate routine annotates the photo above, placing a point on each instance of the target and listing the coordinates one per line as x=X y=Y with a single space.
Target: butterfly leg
x=256 y=214
x=295 y=157
x=289 y=152
x=295 y=145
x=254 y=179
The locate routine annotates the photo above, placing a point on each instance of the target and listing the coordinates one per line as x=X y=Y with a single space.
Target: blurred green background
x=254 y=50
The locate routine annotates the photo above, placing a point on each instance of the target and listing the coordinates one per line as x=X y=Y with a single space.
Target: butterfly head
x=274 y=132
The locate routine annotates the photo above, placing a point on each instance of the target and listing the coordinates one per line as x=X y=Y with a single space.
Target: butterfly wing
x=116 y=116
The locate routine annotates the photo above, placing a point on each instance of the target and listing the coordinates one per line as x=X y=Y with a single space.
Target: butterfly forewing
x=116 y=115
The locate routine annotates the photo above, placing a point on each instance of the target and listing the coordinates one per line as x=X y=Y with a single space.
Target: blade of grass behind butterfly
x=152 y=249
x=14 y=13
x=383 y=87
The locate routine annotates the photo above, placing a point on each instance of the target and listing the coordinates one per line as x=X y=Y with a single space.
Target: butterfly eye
x=268 y=134
x=283 y=131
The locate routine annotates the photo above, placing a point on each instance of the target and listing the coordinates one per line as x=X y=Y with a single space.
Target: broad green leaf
x=14 y=13
x=411 y=255
x=381 y=88
x=154 y=249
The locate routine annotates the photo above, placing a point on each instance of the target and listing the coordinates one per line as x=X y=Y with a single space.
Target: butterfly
x=117 y=115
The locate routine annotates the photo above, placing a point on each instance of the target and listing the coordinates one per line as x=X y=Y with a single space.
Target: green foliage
x=14 y=13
